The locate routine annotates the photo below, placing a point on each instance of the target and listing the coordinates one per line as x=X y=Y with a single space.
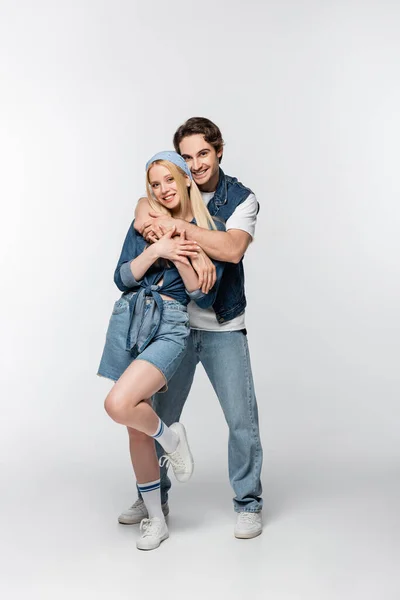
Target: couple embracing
x=183 y=302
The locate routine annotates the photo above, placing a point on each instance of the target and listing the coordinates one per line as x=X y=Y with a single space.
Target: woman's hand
x=201 y=264
x=205 y=270
x=175 y=249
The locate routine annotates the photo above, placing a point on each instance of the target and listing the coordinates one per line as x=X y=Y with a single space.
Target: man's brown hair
x=202 y=126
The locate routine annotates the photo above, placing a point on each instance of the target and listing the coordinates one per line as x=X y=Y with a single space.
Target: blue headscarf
x=173 y=157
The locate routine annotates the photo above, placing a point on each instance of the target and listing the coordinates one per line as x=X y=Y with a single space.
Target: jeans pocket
x=175 y=317
x=120 y=306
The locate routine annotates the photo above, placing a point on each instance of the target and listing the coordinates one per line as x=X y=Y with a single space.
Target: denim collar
x=221 y=193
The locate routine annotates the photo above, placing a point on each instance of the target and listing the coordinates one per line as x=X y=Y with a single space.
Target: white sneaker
x=248 y=525
x=137 y=512
x=154 y=531
x=181 y=460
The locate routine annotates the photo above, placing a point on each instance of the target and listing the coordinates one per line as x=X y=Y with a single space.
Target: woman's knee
x=115 y=406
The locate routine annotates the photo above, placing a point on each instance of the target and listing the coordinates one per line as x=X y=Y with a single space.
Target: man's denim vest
x=231 y=299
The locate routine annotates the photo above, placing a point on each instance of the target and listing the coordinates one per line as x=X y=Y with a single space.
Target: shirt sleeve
x=127 y=276
x=123 y=276
x=244 y=217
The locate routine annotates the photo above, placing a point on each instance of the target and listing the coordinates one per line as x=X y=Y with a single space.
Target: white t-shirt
x=244 y=218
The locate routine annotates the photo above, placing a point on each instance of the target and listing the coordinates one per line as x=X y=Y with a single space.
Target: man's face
x=202 y=160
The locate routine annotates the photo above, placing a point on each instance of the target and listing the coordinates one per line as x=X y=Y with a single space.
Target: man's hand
x=142 y=211
x=152 y=229
x=205 y=270
x=174 y=248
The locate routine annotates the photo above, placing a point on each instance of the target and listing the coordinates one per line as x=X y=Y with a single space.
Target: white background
x=307 y=95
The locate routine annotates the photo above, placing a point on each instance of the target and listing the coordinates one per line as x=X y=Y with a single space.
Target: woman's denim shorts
x=165 y=351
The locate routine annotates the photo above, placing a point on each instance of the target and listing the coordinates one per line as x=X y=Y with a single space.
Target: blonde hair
x=189 y=197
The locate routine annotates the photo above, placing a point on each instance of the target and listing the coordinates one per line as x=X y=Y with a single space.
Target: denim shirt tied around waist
x=146 y=303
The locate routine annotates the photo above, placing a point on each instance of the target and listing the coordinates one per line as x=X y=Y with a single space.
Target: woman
x=148 y=330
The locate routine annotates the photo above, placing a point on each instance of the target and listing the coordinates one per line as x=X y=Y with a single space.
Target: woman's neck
x=178 y=214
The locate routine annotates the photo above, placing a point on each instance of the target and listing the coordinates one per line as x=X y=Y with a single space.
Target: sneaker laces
x=174 y=459
x=137 y=503
x=247 y=517
x=150 y=526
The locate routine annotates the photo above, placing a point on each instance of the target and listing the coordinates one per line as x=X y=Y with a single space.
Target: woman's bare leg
x=126 y=403
x=143 y=455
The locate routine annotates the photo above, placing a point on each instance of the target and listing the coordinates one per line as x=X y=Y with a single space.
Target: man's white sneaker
x=154 y=531
x=137 y=512
x=248 y=525
x=181 y=460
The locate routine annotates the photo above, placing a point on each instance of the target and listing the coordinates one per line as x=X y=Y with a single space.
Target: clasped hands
x=170 y=236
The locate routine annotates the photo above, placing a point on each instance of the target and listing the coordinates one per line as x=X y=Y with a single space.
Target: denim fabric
x=159 y=279
x=230 y=300
x=134 y=245
x=138 y=319
x=225 y=358
x=166 y=349
x=172 y=285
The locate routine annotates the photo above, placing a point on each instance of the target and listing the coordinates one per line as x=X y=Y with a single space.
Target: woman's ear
x=188 y=181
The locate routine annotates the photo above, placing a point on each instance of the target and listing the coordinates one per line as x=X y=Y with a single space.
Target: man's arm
x=142 y=213
x=229 y=246
x=240 y=229
x=225 y=246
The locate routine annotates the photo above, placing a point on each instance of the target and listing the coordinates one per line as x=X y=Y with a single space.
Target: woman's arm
x=191 y=279
x=142 y=263
x=185 y=269
x=136 y=259
x=188 y=275
x=207 y=300
x=123 y=277
x=175 y=249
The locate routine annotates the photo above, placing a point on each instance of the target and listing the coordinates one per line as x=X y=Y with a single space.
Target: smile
x=200 y=173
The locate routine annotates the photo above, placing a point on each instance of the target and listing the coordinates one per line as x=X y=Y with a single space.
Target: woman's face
x=164 y=187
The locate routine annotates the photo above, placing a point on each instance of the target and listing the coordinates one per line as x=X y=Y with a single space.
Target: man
x=218 y=336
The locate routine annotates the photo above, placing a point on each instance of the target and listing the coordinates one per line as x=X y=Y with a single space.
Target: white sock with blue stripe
x=166 y=438
x=152 y=498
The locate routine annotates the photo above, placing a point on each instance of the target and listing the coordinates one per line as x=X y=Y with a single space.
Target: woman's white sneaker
x=154 y=531
x=248 y=525
x=181 y=459
x=137 y=512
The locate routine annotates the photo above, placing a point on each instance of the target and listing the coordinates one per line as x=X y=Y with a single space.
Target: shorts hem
x=104 y=376
x=165 y=386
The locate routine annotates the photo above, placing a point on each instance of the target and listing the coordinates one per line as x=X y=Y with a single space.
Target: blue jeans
x=225 y=358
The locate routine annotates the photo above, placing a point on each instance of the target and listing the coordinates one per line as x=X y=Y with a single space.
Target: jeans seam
x=249 y=400
x=250 y=408
x=176 y=357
